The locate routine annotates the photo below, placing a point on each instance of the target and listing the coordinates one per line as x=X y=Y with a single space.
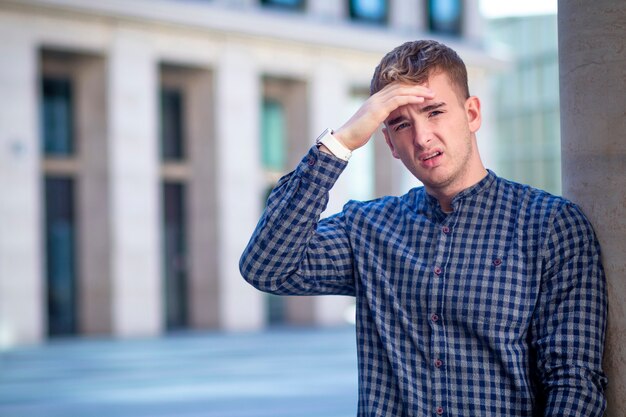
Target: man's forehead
x=404 y=111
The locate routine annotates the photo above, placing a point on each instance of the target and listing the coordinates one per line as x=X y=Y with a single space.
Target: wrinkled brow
x=425 y=109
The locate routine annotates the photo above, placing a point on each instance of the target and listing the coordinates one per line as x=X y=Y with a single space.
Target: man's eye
x=435 y=113
x=401 y=126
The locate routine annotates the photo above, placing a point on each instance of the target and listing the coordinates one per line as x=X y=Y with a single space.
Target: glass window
x=445 y=16
x=60 y=231
x=276 y=309
x=273 y=136
x=175 y=255
x=57 y=125
x=172 y=124
x=284 y=4
x=371 y=11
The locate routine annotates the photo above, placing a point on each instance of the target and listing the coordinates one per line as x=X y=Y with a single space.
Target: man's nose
x=422 y=134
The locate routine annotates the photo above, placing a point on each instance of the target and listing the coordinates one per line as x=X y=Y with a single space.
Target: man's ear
x=390 y=144
x=472 y=111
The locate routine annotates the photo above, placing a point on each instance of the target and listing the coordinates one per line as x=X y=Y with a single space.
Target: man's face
x=435 y=139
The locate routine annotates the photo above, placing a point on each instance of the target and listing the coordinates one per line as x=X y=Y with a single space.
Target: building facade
x=139 y=139
x=526 y=98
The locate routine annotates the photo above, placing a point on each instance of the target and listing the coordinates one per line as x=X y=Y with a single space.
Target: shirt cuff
x=320 y=168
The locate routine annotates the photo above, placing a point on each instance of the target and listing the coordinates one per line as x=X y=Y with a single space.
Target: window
x=273 y=140
x=369 y=11
x=175 y=254
x=172 y=124
x=60 y=235
x=276 y=309
x=57 y=116
x=284 y=4
x=445 y=16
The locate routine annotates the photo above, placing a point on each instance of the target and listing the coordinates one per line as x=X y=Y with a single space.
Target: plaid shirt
x=496 y=309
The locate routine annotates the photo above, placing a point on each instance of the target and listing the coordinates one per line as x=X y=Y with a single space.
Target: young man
x=475 y=295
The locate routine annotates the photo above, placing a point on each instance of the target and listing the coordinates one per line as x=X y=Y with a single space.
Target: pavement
x=285 y=372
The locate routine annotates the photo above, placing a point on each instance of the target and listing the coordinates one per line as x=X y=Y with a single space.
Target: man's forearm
x=570 y=321
x=273 y=259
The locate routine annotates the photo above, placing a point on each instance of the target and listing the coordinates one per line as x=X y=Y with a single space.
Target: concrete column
x=408 y=15
x=480 y=87
x=94 y=283
x=592 y=57
x=385 y=182
x=329 y=99
x=239 y=182
x=330 y=107
x=134 y=160
x=328 y=9
x=204 y=285
x=473 y=24
x=21 y=246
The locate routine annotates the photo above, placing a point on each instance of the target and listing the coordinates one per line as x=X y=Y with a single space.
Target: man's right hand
x=358 y=130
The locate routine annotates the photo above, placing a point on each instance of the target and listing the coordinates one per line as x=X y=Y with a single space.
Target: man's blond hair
x=413 y=62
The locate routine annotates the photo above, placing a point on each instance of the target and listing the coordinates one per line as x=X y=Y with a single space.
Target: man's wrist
x=328 y=143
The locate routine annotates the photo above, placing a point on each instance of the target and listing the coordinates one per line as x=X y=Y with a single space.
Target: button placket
x=437 y=305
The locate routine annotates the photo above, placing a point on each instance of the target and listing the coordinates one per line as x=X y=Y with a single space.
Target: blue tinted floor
x=282 y=372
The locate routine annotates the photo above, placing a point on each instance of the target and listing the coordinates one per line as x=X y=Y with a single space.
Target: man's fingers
x=397 y=95
x=359 y=128
x=394 y=89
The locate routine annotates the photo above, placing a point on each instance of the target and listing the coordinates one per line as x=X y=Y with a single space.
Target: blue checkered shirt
x=497 y=309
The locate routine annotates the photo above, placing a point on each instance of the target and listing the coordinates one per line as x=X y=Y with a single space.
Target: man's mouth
x=431 y=156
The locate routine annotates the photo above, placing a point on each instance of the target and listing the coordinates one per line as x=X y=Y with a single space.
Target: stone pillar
x=204 y=286
x=408 y=15
x=239 y=183
x=94 y=277
x=329 y=99
x=134 y=178
x=592 y=57
x=21 y=247
x=473 y=24
x=327 y=9
x=479 y=87
x=329 y=105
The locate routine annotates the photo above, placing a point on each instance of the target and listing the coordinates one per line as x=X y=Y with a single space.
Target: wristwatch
x=334 y=146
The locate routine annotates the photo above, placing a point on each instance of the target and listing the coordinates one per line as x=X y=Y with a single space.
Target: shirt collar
x=477 y=188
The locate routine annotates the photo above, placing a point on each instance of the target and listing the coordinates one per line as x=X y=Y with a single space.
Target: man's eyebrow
x=432 y=107
x=426 y=109
x=395 y=120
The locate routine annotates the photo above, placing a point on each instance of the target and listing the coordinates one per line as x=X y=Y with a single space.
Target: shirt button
x=438 y=363
x=437 y=270
x=439 y=410
x=434 y=318
x=497 y=262
x=445 y=229
x=311 y=161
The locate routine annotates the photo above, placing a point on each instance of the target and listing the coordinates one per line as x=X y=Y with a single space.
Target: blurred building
x=526 y=98
x=139 y=139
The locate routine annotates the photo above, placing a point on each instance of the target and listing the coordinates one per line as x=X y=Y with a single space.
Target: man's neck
x=445 y=196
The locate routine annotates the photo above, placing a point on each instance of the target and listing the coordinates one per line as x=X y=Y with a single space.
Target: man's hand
x=358 y=130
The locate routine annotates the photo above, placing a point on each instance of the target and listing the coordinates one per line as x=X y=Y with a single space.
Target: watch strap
x=333 y=145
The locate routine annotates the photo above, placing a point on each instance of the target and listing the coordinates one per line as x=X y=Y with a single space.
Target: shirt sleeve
x=570 y=320
x=291 y=251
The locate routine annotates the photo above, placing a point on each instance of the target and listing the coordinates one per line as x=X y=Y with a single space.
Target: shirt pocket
x=493 y=289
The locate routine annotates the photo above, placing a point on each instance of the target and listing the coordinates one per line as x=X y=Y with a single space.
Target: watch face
x=324 y=133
